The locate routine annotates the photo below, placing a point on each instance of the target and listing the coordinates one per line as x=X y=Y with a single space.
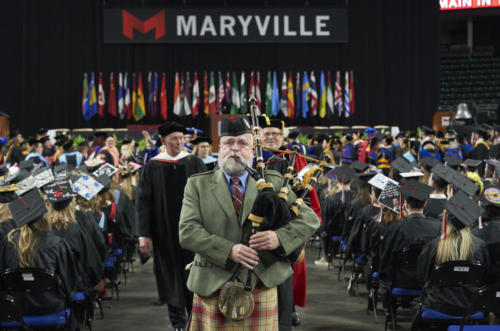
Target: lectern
x=4 y=125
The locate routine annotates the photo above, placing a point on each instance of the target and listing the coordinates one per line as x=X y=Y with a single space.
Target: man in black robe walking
x=159 y=202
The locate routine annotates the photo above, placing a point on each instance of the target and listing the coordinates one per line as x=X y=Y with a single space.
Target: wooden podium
x=4 y=125
x=441 y=120
x=215 y=120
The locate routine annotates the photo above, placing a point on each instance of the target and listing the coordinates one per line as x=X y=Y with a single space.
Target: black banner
x=304 y=25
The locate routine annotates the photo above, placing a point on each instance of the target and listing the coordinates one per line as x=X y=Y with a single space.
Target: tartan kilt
x=206 y=316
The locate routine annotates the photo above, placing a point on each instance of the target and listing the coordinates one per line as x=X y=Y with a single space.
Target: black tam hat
x=234 y=127
x=170 y=127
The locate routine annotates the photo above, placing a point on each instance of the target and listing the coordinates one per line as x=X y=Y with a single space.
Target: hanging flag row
x=222 y=94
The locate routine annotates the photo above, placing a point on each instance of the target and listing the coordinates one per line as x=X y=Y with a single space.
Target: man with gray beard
x=214 y=225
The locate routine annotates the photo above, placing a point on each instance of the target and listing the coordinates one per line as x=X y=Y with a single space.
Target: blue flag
x=276 y=96
x=91 y=109
x=298 y=93
x=305 y=95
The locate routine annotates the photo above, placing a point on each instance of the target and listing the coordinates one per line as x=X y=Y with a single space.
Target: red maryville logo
x=131 y=23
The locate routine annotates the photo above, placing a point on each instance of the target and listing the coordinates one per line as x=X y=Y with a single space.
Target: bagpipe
x=269 y=212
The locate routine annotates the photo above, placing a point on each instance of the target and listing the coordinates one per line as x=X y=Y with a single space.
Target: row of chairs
x=77 y=309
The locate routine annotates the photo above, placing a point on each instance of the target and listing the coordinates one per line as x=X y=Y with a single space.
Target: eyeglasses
x=272 y=134
x=240 y=143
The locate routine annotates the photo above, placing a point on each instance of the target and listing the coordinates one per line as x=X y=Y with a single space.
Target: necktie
x=237 y=195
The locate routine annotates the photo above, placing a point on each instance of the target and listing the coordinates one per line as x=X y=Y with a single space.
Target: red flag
x=112 y=110
x=163 y=99
x=351 y=93
x=100 y=97
x=206 y=106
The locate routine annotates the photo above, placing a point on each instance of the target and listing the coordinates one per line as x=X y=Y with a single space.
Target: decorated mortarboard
x=452 y=161
x=201 y=139
x=380 y=181
x=106 y=169
x=344 y=173
x=455 y=178
x=27 y=208
x=129 y=169
x=462 y=210
x=491 y=196
x=390 y=197
x=471 y=164
x=366 y=175
x=60 y=194
x=16 y=176
x=232 y=127
x=170 y=127
x=359 y=166
x=95 y=162
x=87 y=187
x=416 y=190
x=428 y=163
x=38 y=180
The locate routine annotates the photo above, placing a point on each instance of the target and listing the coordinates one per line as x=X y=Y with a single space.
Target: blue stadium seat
x=474 y=328
x=47 y=320
x=431 y=314
x=398 y=291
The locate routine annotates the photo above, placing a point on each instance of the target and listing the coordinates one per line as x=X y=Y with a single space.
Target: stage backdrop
x=393 y=50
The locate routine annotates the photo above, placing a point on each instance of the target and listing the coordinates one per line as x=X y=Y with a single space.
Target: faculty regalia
x=159 y=202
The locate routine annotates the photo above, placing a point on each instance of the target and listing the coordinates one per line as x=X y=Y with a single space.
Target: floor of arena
x=328 y=305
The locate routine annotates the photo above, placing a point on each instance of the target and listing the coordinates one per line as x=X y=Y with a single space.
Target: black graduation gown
x=352 y=209
x=16 y=155
x=333 y=212
x=52 y=253
x=364 y=216
x=125 y=216
x=481 y=152
x=85 y=253
x=89 y=222
x=372 y=238
x=6 y=226
x=416 y=229
x=434 y=207
x=451 y=301
x=490 y=233
x=158 y=202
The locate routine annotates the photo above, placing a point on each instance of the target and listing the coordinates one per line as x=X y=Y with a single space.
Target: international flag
x=140 y=110
x=347 y=103
x=188 y=89
x=91 y=110
x=257 y=93
x=163 y=98
x=181 y=96
x=220 y=94
x=322 y=95
x=298 y=94
x=276 y=96
x=339 y=109
x=206 y=107
x=314 y=96
x=127 y=107
x=243 y=94
x=150 y=94
x=269 y=95
x=235 y=97
x=112 y=97
x=196 y=95
x=284 y=96
x=155 y=95
x=329 y=97
x=305 y=95
x=134 y=95
x=85 y=92
x=227 y=91
x=121 y=97
x=290 y=98
x=177 y=95
x=211 y=97
x=100 y=97
x=351 y=92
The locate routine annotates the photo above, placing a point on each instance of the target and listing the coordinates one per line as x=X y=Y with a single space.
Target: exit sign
x=468 y=4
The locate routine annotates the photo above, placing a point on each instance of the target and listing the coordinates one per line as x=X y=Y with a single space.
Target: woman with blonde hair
x=455 y=244
x=32 y=244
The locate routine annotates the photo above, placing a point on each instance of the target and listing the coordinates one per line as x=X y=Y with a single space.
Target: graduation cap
x=427 y=131
x=44 y=139
x=331 y=176
x=27 y=208
x=455 y=178
x=344 y=174
x=380 y=181
x=234 y=127
x=4 y=170
x=491 y=196
x=201 y=140
x=60 y=194
x=170 y=127
x=416 y=190
x=452 y=161
x=87 y=187
x=105 y=181
x=390 y=197
x=428 y=163
x=359 y=166
x=463 y=211
x=106 y=169
x=27 y=164
x=402 y=165
x=8 y=188
x=472 y=164
x=68 y=145
x=194 y=131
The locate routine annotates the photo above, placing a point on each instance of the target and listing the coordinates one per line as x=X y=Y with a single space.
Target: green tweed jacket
x=210 y=228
